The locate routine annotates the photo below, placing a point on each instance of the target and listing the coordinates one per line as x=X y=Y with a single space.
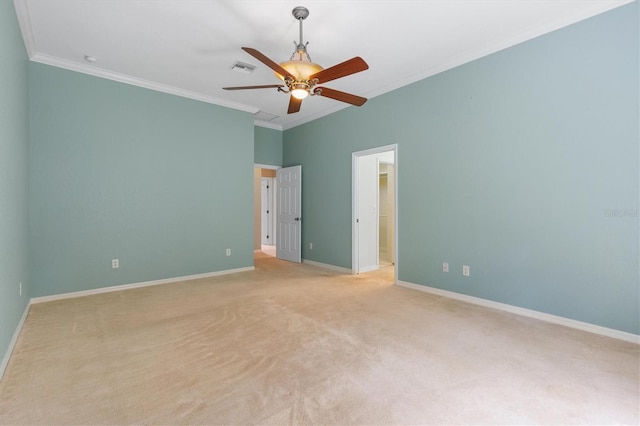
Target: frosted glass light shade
x=299 y=93
x=301 y=69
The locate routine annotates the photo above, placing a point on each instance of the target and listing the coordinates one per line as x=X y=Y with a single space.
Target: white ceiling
x=187 y=47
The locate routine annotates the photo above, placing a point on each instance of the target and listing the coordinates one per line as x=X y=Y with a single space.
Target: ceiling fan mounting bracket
x=300 y=12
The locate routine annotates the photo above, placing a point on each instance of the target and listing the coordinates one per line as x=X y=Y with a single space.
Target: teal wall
x=512 y=164
x=162 y=183
x=268 y=146
x=14 y=175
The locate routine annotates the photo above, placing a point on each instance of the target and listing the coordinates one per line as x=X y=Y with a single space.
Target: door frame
x=275 y=200
x=354 y=204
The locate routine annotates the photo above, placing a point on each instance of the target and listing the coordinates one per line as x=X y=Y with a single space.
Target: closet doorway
x=375 y=204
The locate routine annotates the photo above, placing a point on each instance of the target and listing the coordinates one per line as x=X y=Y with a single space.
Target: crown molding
x=123 y=78
x=268 y=125
x=23 y=15
x=323 y=113
x=527 y=34
x=24 y=22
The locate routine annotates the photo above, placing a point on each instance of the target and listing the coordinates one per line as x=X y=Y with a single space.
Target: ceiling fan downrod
x=300 y=13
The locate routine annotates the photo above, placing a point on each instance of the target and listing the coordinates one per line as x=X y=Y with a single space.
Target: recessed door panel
x=289 y=213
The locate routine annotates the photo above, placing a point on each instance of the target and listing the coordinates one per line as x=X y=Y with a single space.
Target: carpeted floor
x=296 y=344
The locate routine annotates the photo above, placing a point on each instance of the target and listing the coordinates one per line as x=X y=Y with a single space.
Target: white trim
x=134 y=81
x=314 y=116
x=24 y=22
x=137 y=285
x=22 y=12
x=567 y=322
x=469 y=56
x=501 y=44
x=266 y=166
x=268 y=125
x=327 y=266
x=14 y=340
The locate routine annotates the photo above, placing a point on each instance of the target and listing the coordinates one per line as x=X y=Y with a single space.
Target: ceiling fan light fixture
x=299 y=91
x=301 y=69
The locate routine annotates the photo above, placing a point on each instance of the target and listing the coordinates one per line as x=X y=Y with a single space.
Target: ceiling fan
x=301 y=76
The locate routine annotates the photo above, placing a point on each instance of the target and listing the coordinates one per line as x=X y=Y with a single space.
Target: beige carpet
x=295 y=344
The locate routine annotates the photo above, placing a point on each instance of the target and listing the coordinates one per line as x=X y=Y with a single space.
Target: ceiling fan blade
x=268 y=62
x=340 y=96
x=294 y=105
x=343 y=69
x=266 y=86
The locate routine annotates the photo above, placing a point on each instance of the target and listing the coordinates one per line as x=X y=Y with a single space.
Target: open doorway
x=386 y=210
x=374 y=237
x=277 y=212
x=264 y=210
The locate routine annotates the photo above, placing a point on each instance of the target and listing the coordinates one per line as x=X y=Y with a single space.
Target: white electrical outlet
x=465 y=270
x=115 y=263
x=445 y=267
x=310 y=246
x=228 y=252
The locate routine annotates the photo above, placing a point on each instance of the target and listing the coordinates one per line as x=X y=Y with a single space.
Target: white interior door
x=367 y=213
x=289 y=241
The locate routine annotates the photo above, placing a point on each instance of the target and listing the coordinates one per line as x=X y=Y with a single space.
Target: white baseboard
x=14 y=340
x=327 y=266
x=137 y=285
x=584 y=326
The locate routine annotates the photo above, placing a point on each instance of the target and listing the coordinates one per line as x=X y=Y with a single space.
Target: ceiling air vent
x=243 y=67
